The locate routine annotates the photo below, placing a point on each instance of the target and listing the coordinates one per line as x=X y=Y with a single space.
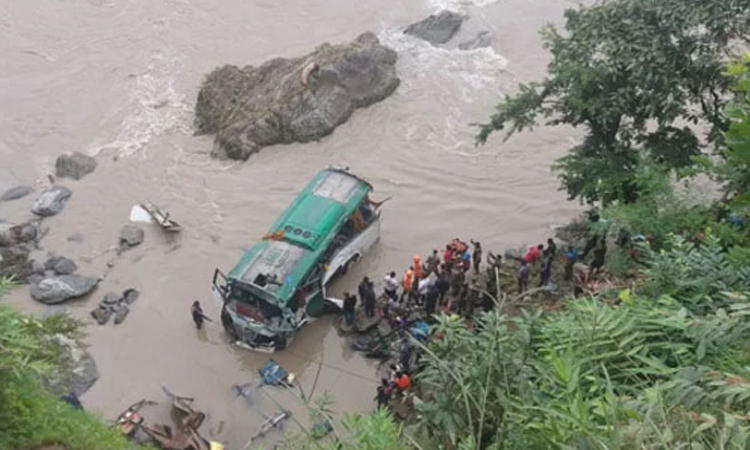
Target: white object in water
x=138 y=214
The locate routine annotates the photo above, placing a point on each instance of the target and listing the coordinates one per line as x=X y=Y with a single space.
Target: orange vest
x=408 y=277
x=418 y=268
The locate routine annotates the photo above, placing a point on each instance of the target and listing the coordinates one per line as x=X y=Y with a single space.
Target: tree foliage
x=637 y=75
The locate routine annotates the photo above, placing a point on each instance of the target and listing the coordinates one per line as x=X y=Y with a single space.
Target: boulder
x=293 y=100
x=14 y=261
x=110 y=300
x=438 y=28
x=102 y=314
x=130 y=296
x=57 y=289
x=60 y=265
x=131 y=235
x=78 y=371
x=121 y=313
x=481 y=40
x=75 y=165
x=16 y=193
x=52 y=201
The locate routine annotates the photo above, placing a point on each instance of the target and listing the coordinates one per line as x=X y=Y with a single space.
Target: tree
x=637 y=75
x=735 y=153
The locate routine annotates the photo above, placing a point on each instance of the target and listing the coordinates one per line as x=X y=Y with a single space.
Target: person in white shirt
x=390 y=285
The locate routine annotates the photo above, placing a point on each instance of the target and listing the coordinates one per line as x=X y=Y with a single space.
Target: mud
x=119 y=79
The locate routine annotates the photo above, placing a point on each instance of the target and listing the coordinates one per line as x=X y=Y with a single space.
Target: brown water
x=118 y=79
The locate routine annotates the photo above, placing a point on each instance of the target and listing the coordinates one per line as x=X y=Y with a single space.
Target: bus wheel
x=226 y=320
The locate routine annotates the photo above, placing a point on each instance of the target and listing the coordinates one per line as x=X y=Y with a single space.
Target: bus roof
x=303 y=232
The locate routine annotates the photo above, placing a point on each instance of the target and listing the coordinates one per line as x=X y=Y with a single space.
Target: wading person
x=384 y=393
x=350 y=303
x=197 y=313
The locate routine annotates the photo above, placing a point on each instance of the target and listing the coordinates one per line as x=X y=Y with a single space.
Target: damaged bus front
x=280 y=282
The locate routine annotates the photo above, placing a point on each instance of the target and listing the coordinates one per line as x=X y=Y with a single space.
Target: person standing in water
x=350 y=302
x=197 y=312
x=367 y=294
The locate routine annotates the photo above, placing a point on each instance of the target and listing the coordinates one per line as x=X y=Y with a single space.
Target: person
x=523 y=276
x=443 y=283
x=384 y=393
x=402 y=381
x=197 y=313
x=551 y=247
x=424 y=286
x=599 y=254
x=433 y=263
x=406 y=283
x=457 y=279
x=367 y=294
x=418 y=268
x=477 y=256
x=466 y=260
x=350 y=303
x=448 y=255
x=546 y=273
x=390 y=286
x=534 y=254
x=431 y=299
x=571 y=257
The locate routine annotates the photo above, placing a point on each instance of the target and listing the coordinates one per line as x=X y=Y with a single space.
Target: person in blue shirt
x=466 y=260
x=571 y=256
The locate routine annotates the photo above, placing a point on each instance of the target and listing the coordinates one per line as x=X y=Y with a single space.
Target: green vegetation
x=30 y=416
x=636 y=75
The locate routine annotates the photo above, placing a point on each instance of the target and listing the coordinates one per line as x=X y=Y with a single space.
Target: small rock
x=131 y=235
x=121 y=313
x=101 y=315
x=438 y=28
x=34 y=278
x=37 y=267
x=130 y=295
x=52 y=201
x=481 y=40
x=16 y=193
x=75 y=237
x=110 y=300
x=60 y=265
x=76 y=165
x=57 y=289
x=15 y=261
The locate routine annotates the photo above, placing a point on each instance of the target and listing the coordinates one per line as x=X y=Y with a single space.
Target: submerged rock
x=121 y=313
x=293 y=100
x=14 y=261
x=131 y=235
x=481 y=40
x=101 y=314
x=16 y=193
x=57 y=289
x=130 y=296
x=438 y=28
x=76 y=165
x=52 y=201
x=19 y=234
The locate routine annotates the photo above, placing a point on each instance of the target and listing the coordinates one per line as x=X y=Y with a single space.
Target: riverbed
x=118 y=80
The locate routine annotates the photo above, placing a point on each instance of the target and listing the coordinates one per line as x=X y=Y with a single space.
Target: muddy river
x=118 y=79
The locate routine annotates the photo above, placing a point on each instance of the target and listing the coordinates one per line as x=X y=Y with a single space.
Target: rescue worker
x=402 y=382
x=417 y=267
x=406 y=284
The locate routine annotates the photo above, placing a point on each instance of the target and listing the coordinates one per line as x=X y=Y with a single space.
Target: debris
x=270 y=423
x=160 y=217
x=138 y=214
x=275 y=375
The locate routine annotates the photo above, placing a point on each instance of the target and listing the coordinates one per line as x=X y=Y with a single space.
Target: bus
x=279 y=284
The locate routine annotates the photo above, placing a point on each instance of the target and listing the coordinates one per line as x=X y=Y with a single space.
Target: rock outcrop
x=52 y=201
x=57 y=289
x=438 y=28
x=78 y=371
x=481 y=40
x=293 y=100
x=76 y=165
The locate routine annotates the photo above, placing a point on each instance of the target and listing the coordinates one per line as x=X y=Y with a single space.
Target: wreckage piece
x=148 y=212
x=272 y=422
x=275 y=375
x=129 y=421
x=185 y=437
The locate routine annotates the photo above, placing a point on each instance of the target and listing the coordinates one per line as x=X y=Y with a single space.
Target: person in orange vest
x=402 y=381
x=418 y=269
x=407 y=284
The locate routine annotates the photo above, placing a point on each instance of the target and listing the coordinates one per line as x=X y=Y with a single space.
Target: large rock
x=130 y=236
x=19 y=234
x=16 y=193
x=76 y=165
x=78 y=371
x=481 y=40
x=52 y=201
x=293 y=100
x=438 y=28
x=57 y=289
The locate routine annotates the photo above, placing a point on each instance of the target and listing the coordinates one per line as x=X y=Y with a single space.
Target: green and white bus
x=280 y=282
